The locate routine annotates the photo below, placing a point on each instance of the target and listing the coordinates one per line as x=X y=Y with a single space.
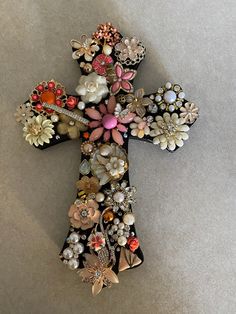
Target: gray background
x=186 y=213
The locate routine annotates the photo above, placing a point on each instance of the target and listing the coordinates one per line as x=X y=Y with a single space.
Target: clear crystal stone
x=84 y=168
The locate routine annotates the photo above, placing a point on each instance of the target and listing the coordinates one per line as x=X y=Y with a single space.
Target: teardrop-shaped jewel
x=84 y=167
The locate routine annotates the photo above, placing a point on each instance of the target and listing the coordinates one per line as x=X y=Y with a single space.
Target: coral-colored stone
x=48 y=97
x=59 y=91
x=40 y=88
x=133 y=243
x=34 y=97
x=51 y=85
x=39 y=107
x=59 y=102
x=71 y=102
x=86 y=135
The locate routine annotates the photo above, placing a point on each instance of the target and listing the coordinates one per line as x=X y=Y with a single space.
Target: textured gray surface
x=186 y=209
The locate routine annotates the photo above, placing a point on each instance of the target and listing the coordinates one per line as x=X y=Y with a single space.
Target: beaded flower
x=92 y=88
x=70 y=126
x=189 y=112
x=38 y=130
x=96 y=241
x=169 y=131
x=106 y=123
x=120 y=196
x=50 y=92
x=88 y=185
x=84 y=214
x=129 y=51
x=97 y=273
x=107 y=34
x=23 y=113
x=87 y=47
x=141 y=126
x=137 y=102
x=100 y=63
x=109 y=162
x=121 y=79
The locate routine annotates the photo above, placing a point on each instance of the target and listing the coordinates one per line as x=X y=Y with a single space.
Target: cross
x=106 y=112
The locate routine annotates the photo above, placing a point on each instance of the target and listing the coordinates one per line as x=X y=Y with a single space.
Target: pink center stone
x=109 y=121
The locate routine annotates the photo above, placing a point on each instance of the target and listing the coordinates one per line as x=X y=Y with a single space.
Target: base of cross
x=104 y=115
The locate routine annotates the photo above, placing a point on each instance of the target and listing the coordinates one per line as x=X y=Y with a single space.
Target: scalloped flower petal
x=96 y=134
x=93 y=113
x=118 y=69
x=117 y=137
x=129 y=75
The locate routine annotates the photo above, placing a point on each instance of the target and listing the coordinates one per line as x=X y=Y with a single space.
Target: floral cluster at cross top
x=104 y=113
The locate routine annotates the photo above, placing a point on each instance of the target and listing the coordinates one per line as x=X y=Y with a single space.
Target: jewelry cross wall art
x=105 y=113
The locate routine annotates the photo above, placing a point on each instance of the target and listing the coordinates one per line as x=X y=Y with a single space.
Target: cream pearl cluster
x=120 y=230
x=72 y=252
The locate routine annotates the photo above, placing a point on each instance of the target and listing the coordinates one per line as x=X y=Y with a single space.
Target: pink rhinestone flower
x=122 y=78
x=106 y=123
x=100 y=63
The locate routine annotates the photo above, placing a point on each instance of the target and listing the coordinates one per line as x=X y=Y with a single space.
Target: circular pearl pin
x=169 y=97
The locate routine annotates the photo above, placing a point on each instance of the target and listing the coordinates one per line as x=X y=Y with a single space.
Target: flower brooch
x=105 y=112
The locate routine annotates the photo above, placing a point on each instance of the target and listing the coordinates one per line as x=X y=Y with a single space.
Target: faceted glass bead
x=84 y=168
x=108 y=216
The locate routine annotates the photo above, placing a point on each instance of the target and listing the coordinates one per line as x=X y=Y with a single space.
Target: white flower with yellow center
x=92 y=88
x=108 y=163
x=115 y=166
x=169 y=131
x=38 y=130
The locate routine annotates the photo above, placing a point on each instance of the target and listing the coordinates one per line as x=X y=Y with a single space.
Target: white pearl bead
x=54 y=118
x=116 y=221
x=181 y=95
x=81 y=105
x=100 y=197
x=73 y=264
x=129 y=219
x=158 y=98
x=121 y=225
x=176 y=88
x=107 y=50
x=67 y=253
x=168 y=85
x=179 y=103
x=169 y=96
x=114 y=228
x=119 y=197
x=74 y=237
x=126 y=234
x=122 y=241
x=78 y=248
x=171 y=108
x=120 y=232
x=105 y=150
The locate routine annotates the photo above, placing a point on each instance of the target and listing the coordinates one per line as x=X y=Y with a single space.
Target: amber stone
x=108 y=216
x=48 y=97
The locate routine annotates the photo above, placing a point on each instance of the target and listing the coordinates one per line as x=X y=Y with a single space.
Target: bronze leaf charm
x=128 y=259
